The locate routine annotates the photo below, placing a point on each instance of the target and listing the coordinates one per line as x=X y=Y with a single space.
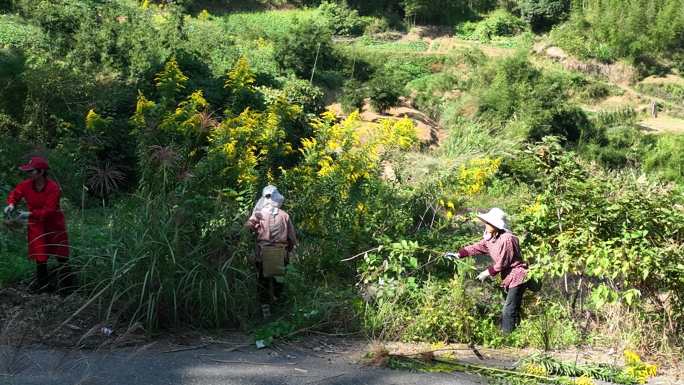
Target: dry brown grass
x=664 y=124
x=378 y=355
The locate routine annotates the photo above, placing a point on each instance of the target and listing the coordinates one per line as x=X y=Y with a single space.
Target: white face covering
x=486 y=235
x=273 y=202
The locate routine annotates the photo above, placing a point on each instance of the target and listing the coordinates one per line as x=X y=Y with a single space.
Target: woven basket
x=273 y=261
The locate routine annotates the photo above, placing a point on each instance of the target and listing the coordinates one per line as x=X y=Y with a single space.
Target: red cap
x=36 y=163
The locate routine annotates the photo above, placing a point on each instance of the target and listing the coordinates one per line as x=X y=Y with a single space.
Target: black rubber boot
x=41 y=283
x=66 y=279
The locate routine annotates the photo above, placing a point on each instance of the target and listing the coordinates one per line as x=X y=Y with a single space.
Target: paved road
x=291 y=365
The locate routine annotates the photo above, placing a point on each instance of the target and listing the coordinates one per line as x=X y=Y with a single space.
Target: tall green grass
x=264 y=25
x=14 y=265
x=469 y=138
x=157 y=269
x=666 y=158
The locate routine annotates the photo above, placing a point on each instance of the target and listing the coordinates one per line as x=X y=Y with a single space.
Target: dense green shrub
x=647 y=29
x=353 y=96
x=631 y=236
x=409 y=303
x=666 y=157
x=376 y=25
x=303 y=93
x=16 y=32
x=427 y=92
x=343 y=20
x=404 y=69
x=306 y=43
x=543 y=14
x=530 y=104
x=498 y=23
x=384 y=92
x=58 y=19
x=624 y=146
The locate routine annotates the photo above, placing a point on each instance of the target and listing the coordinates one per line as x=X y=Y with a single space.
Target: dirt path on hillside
x=663 y=123
x=618 y=74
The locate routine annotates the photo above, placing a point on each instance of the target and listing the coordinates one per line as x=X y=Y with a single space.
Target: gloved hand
x=451 y=255
x=484 y=275
x=24 y=216
x=9 y=209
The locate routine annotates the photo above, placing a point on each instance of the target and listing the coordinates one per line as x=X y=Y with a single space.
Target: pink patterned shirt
x=505 y=253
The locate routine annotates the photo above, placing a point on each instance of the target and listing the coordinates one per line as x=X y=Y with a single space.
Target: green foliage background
x=162 y=122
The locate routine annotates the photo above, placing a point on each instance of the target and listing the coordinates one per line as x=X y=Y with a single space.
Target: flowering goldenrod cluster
x=470 y=180
x=474 y=175
x=638 y=369
x=535 y=369
x=536 y=208
x=344 y=154
x=584 y=380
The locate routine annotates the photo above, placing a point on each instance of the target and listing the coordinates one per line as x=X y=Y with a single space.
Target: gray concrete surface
x=211 y=365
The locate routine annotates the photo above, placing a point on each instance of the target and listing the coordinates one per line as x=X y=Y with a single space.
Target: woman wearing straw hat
x=503 y=247
x=276 y=238
x=47 y=234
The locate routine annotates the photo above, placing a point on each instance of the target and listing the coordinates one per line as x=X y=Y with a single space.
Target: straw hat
x=495 y=217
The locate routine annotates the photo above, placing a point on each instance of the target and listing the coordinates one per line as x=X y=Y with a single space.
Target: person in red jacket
x=47 y=234
x=504 y=249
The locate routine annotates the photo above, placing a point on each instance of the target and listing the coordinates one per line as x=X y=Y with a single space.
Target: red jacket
x=504 y=250
x=47 y=234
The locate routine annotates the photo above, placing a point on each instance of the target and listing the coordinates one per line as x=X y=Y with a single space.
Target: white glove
x=9 y=209
x=484 y=275
x=451 y=255
x=24 y=216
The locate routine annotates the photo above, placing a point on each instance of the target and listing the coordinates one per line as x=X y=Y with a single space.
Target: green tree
x=544 y=14
x=307 y=44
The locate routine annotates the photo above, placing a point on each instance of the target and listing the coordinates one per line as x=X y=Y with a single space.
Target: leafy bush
x=353 y=96
x=666 y=157
x=384 y=92
x=15 y=32
x=530 y=104
x=376 y=26
x=624 y=238
x=58 y=19
x=405 y=303
x=624 y=146
x=544 y=14
x=307 y=42
x=552 y=327
x=302 y=93
x=647 y=30
x=427 y=92
x=597 y=91
x=343 y=20
x=497 y=23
